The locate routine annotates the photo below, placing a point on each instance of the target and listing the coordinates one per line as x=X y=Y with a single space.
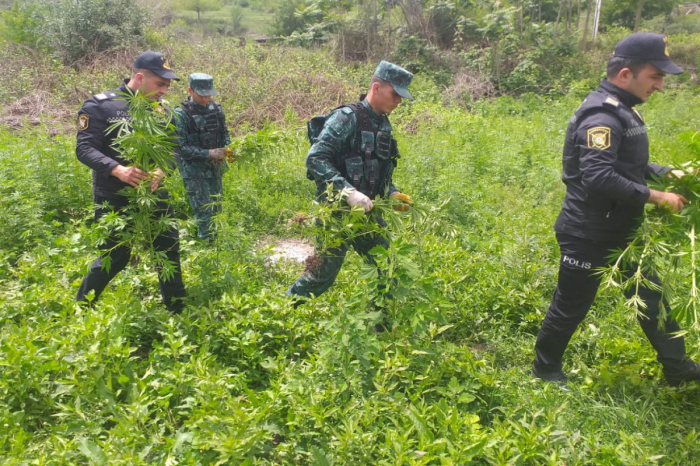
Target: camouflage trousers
x=322 y=275
x=204 y=195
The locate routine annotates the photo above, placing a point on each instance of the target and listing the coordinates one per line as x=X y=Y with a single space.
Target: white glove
x=355 y=197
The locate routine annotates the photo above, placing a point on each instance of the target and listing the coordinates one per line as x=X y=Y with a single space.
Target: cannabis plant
x=148 y=141
x=666 y=245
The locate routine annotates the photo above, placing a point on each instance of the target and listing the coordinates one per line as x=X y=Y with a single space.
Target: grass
x=256 y=19
x=241 y=377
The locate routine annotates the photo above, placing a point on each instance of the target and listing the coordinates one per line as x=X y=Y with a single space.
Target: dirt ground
x=290 y=250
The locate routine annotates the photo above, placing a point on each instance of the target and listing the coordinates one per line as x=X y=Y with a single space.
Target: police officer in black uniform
x=111 y=174
x=605 y=165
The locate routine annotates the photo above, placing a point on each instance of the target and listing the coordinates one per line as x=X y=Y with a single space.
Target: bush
x=684 y=51
x=287 y=20
x=686 y=24
x=22 y=24
x=74 y=30
x=623 y=13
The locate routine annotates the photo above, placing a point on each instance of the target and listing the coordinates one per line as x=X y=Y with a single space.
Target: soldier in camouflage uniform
x=355 y=152
x=203 y=136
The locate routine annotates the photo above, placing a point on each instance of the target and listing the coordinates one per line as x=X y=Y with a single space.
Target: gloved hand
x=217 y=154
x=405 y=200
x=355 y=197
x=230 y=158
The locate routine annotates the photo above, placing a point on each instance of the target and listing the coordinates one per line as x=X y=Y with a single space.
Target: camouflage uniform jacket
x=198 y=133
x=329 y=161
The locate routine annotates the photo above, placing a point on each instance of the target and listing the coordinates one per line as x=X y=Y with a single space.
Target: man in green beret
x=355 y=152
x=203 y=135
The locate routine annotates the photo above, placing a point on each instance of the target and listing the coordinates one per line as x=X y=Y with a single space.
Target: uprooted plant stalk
x=665 y=245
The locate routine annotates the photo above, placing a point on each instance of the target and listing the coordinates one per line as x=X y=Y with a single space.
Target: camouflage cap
x=399 y=78
x=202 y=84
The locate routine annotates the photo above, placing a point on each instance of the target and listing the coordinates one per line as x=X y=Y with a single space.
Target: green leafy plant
x=666 y=245
x=146 y=140
x=74 y=30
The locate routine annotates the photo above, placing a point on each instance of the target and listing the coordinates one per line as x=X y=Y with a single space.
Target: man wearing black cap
x=151 y=75
x=605 y=167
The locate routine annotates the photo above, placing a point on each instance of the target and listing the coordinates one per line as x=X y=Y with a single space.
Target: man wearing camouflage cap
x=356 y=153
x=606 y=165
x=203 y=135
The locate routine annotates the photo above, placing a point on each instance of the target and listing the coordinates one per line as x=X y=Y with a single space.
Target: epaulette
x=106 y=95
x=611 y=101
x=346 y=110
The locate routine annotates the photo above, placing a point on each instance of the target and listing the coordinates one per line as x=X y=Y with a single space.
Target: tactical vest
x=369 y=165
x=208 y=130
x=591 y=214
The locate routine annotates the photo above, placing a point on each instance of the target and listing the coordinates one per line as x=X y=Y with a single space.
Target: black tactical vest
x=589 y=214
x=208 y=130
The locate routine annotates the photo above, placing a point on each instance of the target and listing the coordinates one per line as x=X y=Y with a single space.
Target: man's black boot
x=677 y=378
x=557 y=376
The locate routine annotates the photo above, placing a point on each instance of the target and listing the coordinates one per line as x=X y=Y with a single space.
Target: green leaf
x=92 y=451
x=319 y=457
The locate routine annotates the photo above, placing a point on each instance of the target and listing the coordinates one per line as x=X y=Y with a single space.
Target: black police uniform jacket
x=605 y=167
x=94 y=144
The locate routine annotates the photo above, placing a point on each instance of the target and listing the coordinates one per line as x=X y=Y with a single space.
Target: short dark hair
x=376 y=79
x=617 y=64
x=142 y=71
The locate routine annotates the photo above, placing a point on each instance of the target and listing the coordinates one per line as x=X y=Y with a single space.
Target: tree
x=629 y=13
x=200 y=6
x=584 y=41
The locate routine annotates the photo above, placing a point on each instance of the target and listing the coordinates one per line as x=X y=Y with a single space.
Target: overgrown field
x=243 y=378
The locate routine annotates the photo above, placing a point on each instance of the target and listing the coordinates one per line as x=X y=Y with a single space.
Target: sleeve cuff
x=658 y=170
x=641 y=194
x=108 y=171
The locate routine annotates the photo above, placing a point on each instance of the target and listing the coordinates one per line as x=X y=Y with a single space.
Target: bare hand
x=217 y=154
x=672 y=201
x=156 y=176
x=676 y=173
x=129 y=175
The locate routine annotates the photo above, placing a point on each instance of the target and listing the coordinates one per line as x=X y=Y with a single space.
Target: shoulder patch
x=599 y=137
x=83 y=121
x=612 y=102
